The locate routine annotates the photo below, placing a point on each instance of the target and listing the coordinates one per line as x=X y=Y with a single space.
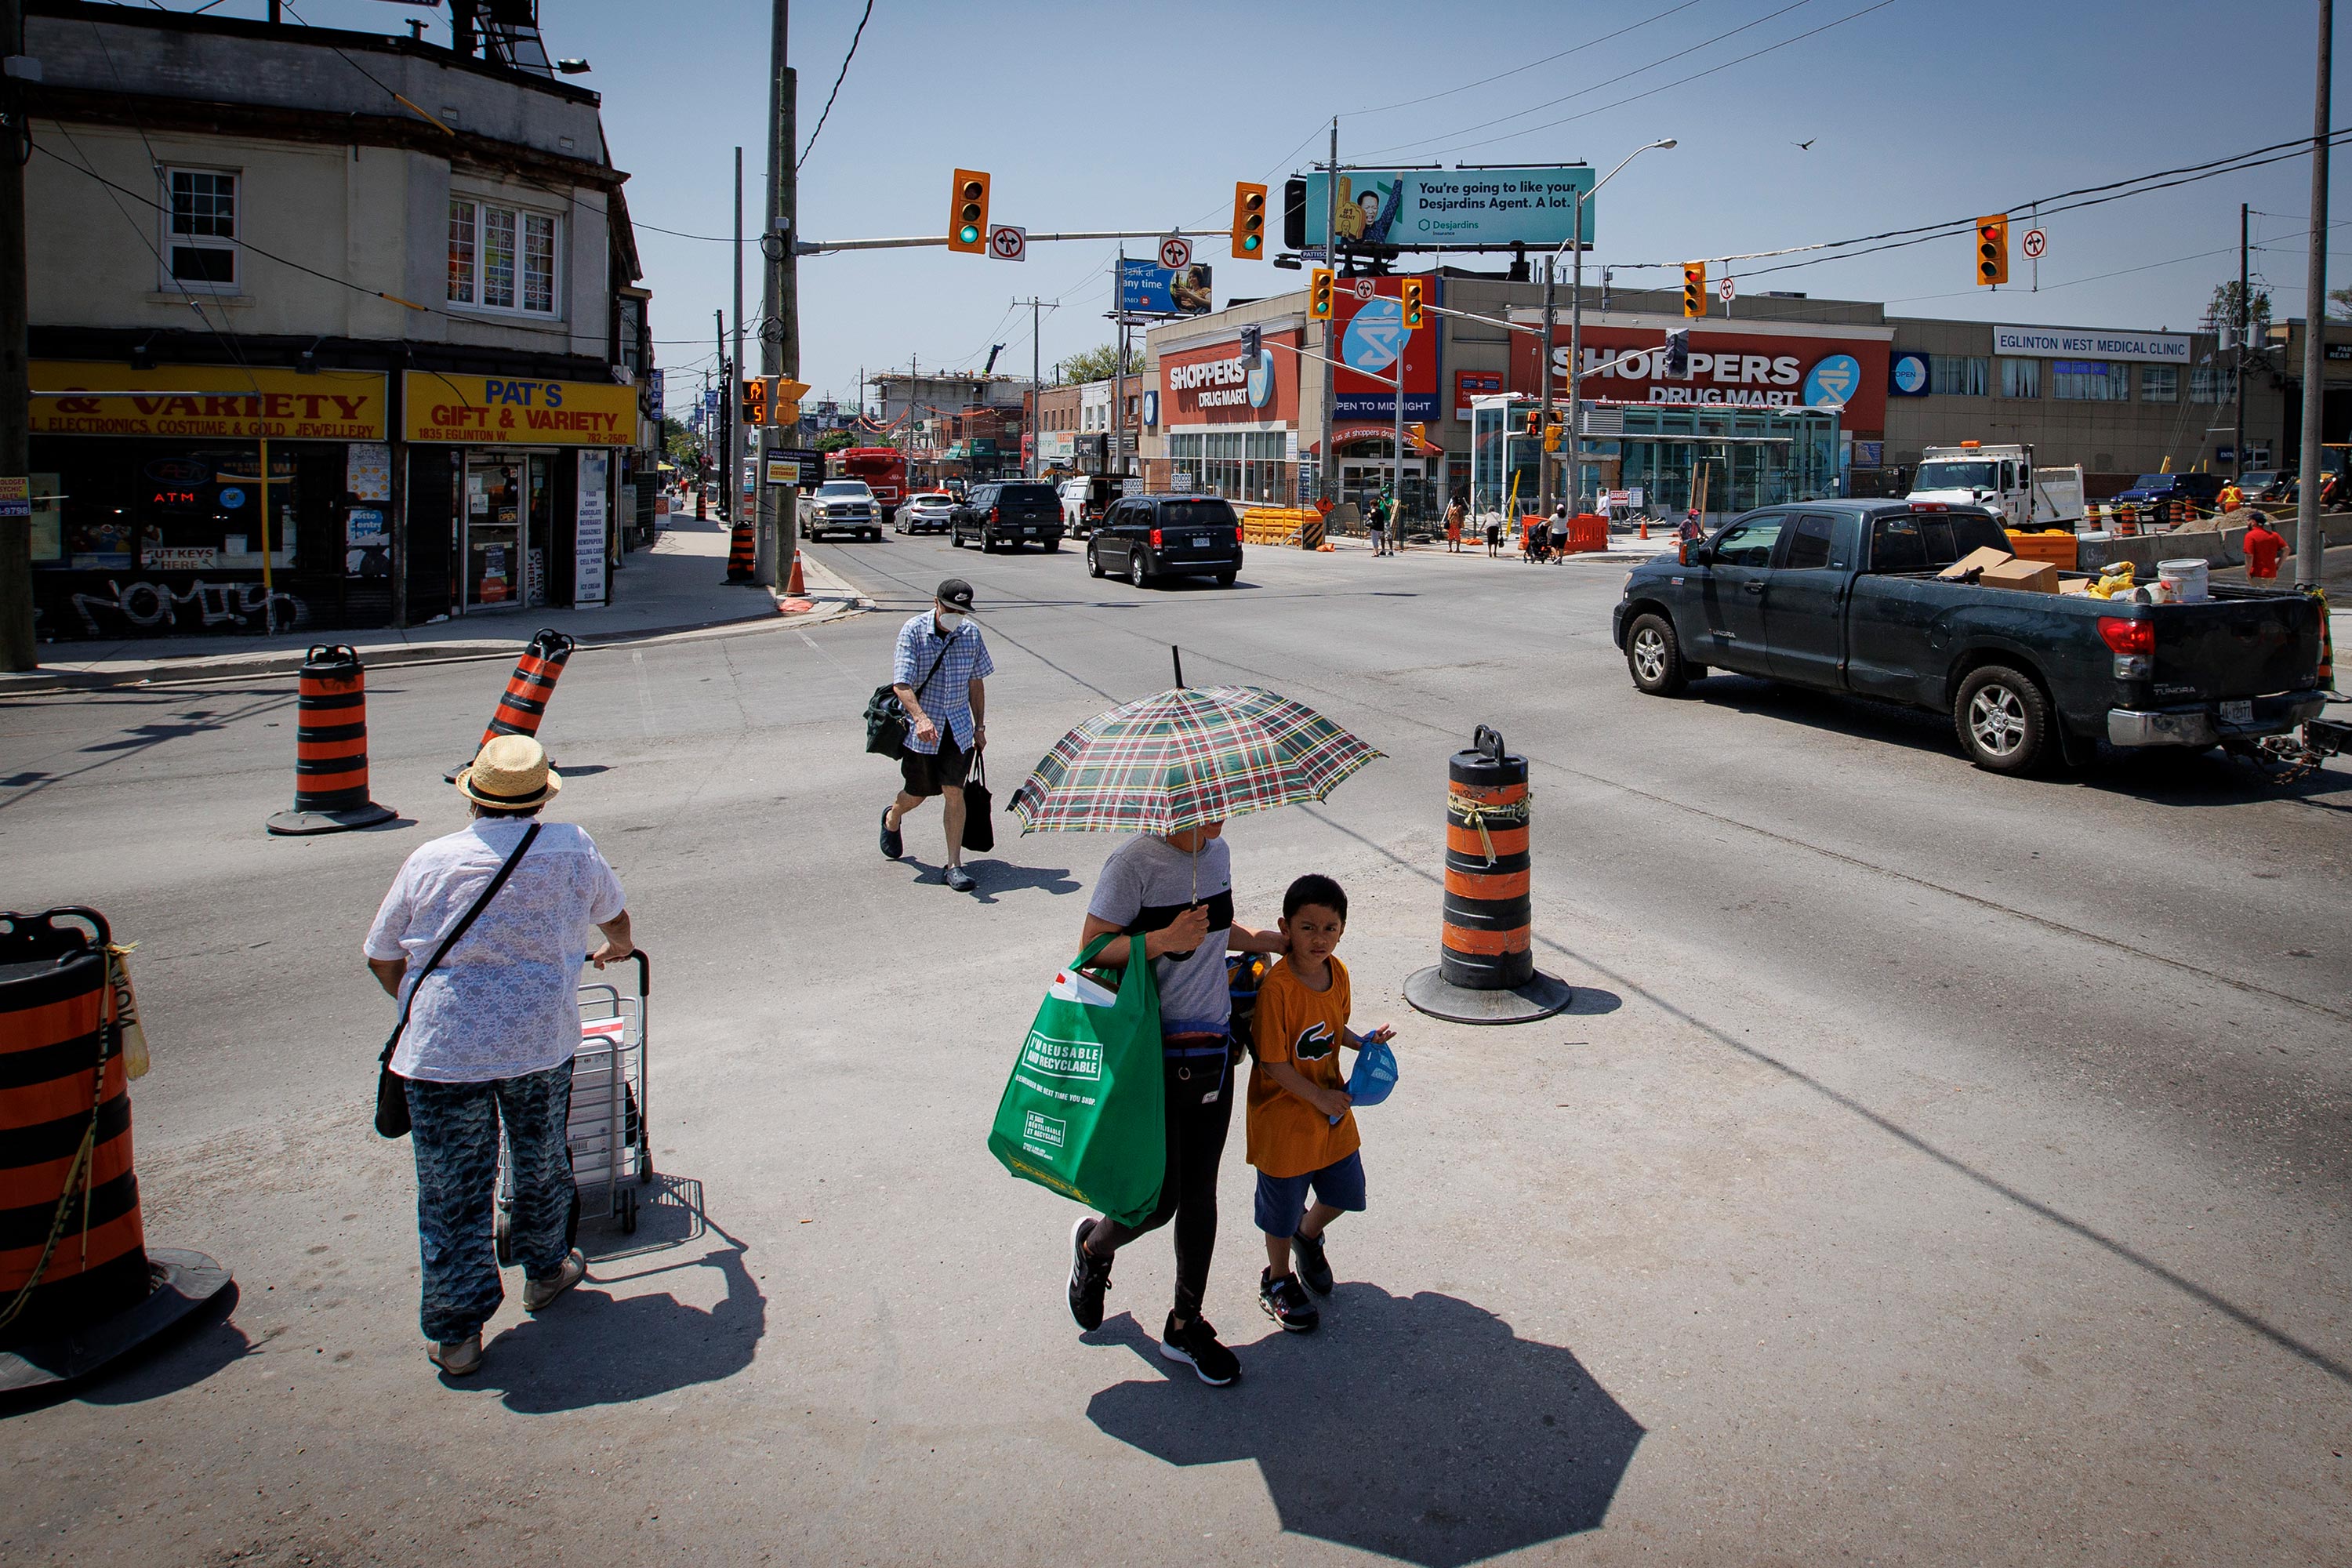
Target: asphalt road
x=1937 y=1167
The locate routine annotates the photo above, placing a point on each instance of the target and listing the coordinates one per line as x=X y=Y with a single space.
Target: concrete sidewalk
x=678 y=585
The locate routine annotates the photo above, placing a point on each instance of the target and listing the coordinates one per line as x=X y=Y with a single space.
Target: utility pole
x=1036 y=390
x=1331 y=490
x=2238 y=378
x=723 y=436
x=735 y=424
x=15 y=387
x=1113 y=457
x=2315 y=318
x=780 y=317
x=1543 y=371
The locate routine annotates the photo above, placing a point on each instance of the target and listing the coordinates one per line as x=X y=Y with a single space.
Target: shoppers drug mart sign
x=2090 y=342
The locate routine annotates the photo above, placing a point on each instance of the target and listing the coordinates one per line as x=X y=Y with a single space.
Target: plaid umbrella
x=1184 y=758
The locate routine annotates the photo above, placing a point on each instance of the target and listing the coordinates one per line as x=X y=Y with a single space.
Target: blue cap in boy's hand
x=1375 y=1074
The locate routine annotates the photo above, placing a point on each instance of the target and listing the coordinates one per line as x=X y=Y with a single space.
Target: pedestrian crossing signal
x=1412 y=293
x=968 y=212
x=753 y=411
x=1992 y=249
x=1318 y=294
x=1249 y=222
x=1694 y=288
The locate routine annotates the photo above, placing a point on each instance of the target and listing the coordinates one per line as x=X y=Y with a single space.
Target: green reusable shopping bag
x=1084 y=1111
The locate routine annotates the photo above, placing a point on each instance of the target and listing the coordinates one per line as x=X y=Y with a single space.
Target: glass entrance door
x=509 y=527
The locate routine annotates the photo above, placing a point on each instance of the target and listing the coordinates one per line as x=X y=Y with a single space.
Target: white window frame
x=171 y=239
x=482 y=203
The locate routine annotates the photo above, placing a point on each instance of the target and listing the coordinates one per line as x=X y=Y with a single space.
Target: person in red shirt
x=2264 y=545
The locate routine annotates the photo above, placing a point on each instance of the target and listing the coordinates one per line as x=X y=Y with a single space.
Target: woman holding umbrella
x=1171 y=769
x=1174 y=892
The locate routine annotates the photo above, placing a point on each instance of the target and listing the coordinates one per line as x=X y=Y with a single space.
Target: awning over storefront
x=1346 y=433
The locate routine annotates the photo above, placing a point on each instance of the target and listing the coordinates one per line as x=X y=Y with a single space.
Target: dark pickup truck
x=1843 y=596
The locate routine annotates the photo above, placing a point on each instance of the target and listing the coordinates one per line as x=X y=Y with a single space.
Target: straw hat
x=511 y=773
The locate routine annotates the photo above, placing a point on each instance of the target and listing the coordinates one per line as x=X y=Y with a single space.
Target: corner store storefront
x=148 y=496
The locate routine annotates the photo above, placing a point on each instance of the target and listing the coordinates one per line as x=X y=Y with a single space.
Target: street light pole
x=1575 y=328
x=2315 y=318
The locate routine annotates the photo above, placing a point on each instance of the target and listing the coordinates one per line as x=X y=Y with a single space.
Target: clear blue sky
x=1092 y=116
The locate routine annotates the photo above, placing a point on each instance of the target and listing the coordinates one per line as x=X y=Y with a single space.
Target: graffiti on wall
x=151 y=606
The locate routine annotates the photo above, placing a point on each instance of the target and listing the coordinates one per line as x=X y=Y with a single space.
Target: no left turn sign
x=2036 y=242
x=1175 y=253
x=1364 y=290
x=1007 y=243
x=1725 y=289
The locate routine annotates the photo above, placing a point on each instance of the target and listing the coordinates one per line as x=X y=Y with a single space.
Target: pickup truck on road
x=1843 y=596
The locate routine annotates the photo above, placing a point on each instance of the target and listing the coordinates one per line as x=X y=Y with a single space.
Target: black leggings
x=1188 y=1192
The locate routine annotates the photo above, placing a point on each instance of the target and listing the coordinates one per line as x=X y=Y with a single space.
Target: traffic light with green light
x=1318 y=294
x=1249 y=222
x=1413 y=298
x=968 y=213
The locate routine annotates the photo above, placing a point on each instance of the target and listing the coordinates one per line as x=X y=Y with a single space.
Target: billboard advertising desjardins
x=1435 y=209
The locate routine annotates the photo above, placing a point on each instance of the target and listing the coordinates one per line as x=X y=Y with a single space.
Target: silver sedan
x=926 y=511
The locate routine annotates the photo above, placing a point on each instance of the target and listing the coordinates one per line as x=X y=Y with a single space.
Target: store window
x=1246 y=466
x=2089 y=380
x=2020 y=377
x=2159 y=383
x=200 y=231
x=1959 y=375
x=502 y=258
x=2212 y=383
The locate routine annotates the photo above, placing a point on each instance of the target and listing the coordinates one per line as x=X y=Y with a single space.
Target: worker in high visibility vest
x=2231 y=499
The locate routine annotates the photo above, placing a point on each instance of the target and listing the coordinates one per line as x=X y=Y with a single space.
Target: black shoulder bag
x=391 y=1089
x=886 y=716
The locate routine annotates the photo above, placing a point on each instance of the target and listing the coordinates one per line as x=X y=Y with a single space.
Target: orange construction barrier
x=742 y=556
x=1485 y=969
x=1588 y=530
x=523 y=704
x=331 y=758
x=77 y=1285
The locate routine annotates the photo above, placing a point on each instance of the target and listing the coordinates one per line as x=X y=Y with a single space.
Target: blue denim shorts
x=1282 y=1200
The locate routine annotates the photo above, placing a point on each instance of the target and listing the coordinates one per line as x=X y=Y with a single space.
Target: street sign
x=1007 y=243
x=1175 y=253
x=1723 y=288
x=1364 y=290
x=2034 y=244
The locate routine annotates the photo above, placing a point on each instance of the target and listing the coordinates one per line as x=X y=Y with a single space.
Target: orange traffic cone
x=793 y=590
x=1645 y=525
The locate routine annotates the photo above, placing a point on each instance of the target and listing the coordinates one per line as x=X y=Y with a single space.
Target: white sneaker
x=458 y=1357
x=538 y=1295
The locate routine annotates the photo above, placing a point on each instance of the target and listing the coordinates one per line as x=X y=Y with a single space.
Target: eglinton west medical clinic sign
x=2090 y=342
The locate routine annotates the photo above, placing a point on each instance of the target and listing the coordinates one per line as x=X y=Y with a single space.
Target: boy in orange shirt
x=1302 y=1131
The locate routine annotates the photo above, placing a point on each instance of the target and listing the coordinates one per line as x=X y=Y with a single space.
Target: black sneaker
x=961 y=880
x=1285 y=1304
x=1195 y=1344
x=893 y=846
x=1314 y=1268
x=1089 y=1277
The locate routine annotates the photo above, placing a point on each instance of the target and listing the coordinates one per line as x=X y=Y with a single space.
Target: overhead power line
x=837 y=85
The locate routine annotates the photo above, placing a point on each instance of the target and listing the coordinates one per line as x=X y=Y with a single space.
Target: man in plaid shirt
x=940 y=673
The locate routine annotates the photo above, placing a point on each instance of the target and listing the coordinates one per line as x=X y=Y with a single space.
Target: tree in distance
x=1095 y=363
x=2222 y=311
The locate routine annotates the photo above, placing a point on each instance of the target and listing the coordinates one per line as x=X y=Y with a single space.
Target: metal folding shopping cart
x=607 y=1136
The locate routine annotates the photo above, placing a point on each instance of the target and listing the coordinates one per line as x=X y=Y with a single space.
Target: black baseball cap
x=956 y=594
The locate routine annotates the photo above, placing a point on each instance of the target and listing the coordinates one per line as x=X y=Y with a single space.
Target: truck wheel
x=2002 y=719
x=1654 y=658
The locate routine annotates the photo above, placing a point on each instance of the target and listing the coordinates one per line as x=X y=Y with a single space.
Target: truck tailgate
x=2232 y=646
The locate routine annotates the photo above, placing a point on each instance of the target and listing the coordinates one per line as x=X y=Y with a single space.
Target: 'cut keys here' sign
x=492 y=410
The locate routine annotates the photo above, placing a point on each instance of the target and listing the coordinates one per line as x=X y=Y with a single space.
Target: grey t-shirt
x=1146 y=884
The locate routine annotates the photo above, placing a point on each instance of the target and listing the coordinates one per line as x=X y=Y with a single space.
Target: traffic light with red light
x=1992 y=249
x=1249 y=222
x=1318 y=294
x=968 y=212
x=1694 y=288
x=1413 y=297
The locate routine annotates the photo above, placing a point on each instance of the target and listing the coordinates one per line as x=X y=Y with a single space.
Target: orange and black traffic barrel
x=79 y=1284
x=331 y=755
x=71 y=1249
x=1488 y=941
x=524 y=703
x=741 y=558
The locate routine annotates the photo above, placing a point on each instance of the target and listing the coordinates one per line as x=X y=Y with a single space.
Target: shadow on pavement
x=996 y=876
x=1420 y=1428
x=180 y=1357
x=1590 y=1001
x=595 y=1348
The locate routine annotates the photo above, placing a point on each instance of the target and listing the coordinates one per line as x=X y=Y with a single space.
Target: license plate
x=1028 y=530
x=2240 y=712
x=1205 y=544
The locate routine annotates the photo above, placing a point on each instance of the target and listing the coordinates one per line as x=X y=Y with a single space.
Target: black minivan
x=1144 y=538
x=1008 y=511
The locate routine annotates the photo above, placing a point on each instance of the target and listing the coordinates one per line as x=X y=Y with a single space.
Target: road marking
x=645 y=693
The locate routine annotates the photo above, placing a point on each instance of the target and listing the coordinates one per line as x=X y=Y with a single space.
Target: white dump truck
x=2001 y=478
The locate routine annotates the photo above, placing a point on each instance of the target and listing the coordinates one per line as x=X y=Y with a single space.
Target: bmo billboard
x=1753 y=369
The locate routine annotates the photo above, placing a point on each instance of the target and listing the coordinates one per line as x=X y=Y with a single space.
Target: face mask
x=950 y=620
